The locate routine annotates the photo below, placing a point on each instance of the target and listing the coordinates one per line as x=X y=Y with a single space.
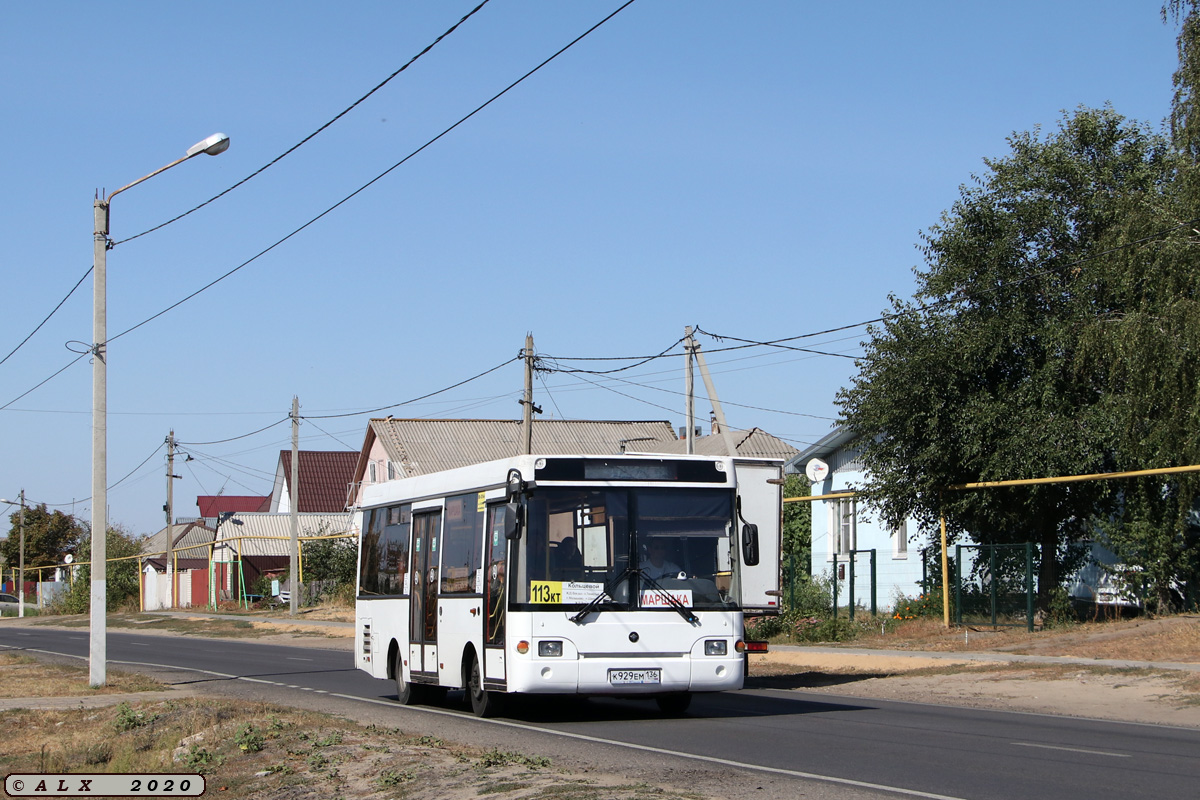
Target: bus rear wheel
x=483 y=702
x=674 y=704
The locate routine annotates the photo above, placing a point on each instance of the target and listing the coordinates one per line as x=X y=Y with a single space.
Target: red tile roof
x=213 y=504
x=324 y=478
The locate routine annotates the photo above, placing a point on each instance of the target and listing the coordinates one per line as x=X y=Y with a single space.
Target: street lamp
x=21 y=557
x=214 y=145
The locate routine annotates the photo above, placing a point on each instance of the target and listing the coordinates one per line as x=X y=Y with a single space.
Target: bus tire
x=674 y=704
x=406 y=693
x=483 y=702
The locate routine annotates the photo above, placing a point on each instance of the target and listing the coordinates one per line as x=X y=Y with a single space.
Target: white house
x=845 y=528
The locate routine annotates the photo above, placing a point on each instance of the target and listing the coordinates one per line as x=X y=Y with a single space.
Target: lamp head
x=213 y=146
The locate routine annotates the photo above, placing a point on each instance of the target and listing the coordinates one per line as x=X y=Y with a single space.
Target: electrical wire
x=235 y=438
x=331 y=436
x=43 y=383
x=312 y=135
x=47 y=319
x=377 y=178
x=415 y=399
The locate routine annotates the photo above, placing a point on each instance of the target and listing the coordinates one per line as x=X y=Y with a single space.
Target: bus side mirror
x=750 y=545
x=512 y=522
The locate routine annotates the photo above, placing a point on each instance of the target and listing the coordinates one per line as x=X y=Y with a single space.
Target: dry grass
x=1174 y=638
x=23 y=676
x=259 y=751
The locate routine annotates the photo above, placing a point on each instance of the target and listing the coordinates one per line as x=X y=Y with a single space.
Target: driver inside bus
x=655 y=565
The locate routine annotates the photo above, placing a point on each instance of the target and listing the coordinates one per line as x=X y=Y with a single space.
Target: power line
x=47 y=319
x=235 y=438
x=416 y=399
x=43 y=383
x=312 y=135
x=378 y=177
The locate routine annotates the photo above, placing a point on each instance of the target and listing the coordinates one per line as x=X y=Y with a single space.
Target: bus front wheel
x=483 y=702
x=406 y=694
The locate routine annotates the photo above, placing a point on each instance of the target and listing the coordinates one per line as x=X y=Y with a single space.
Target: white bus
x=588 y=575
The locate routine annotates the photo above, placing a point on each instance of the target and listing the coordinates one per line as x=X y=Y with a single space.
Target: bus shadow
x=560 y=709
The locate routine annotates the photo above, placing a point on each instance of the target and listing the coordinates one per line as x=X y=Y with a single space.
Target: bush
x=923 y=605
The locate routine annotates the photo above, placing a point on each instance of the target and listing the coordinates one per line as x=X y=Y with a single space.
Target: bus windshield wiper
x=595 y=602
x=673 y=601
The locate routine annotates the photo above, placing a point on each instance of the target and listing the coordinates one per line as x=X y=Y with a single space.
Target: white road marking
x=1072 y=749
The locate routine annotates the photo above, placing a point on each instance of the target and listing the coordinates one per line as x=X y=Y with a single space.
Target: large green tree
x=49 y=535
x=1146 y=329
x=982 y=376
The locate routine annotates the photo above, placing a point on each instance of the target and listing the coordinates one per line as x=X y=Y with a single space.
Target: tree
x=49 y=535
x=796 y=547
x=121 y=581
x=981 y=377
x=1147 y=332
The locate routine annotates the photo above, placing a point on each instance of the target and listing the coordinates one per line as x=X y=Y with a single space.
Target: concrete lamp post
x=214 y=145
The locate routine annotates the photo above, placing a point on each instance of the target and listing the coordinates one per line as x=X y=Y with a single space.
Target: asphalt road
x=790 y=742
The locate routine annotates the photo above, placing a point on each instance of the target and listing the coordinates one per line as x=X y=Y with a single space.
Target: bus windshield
x=638 y=545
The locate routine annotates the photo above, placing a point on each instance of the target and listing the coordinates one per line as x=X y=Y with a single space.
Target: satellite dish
x=816 y=470
x=68 y=558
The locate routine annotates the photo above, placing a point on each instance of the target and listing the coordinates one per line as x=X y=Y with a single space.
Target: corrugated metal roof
x=277 y=528
x=423 y=446
x=324 y=477
x=754 y=443
x=187 y=536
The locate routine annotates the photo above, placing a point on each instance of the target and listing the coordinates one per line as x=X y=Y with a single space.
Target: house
x=190 y=552
x=324 y=478
x=213 y=505
x=845 y=527
x=402 y=448
x=250 y=544
x=754 y=443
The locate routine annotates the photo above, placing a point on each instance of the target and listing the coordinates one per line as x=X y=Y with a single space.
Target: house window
x=371 y=471
x=900 y=541
x=391 y=470
x=843 y=526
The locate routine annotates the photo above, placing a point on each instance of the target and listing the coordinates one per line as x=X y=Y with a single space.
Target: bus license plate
x=624 y=677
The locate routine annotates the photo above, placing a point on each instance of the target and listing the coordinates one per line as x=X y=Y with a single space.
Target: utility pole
x=527 y=400
x=294 y=509
x=689 y=389
x=170 y=509
x=716 y=403
x=21 y=564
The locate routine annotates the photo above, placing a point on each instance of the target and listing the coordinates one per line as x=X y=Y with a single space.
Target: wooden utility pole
x=527 y=400
x=726 y=434
x=689 y=389
x=294 y=508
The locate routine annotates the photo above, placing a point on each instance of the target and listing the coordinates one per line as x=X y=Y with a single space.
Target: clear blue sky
x=760 y=169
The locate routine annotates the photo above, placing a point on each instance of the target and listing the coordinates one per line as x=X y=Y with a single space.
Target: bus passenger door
x=761 y=497
x=423 y=623
x=495 y=597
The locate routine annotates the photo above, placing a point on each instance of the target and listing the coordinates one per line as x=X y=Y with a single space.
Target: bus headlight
x=715 y=647
x=552 y=649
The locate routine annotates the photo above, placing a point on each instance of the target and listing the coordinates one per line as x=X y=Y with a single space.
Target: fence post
x=874 y=605
x=995 y=591
x=853 y=558
x=958 y=583
x=835 y=587
x=1029 y=595
x=791 y=581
